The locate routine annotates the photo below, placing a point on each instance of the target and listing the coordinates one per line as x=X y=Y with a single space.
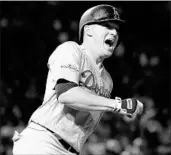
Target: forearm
x=83 y=99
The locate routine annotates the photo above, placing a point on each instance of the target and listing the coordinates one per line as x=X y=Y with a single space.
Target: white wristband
x=118 y=103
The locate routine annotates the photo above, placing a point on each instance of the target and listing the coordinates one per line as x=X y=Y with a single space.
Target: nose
x=114 y=32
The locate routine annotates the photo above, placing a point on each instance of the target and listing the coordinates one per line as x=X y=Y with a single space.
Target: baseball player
x=78 y=89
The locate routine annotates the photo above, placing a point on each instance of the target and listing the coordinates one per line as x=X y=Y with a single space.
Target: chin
x=108 y=54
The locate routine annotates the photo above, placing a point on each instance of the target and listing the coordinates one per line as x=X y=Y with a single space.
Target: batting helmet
x=98 y=14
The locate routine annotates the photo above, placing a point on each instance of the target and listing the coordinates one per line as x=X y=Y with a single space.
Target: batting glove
x=130 y=107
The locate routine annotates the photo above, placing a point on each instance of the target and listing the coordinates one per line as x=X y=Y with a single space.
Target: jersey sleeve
x=64 y=63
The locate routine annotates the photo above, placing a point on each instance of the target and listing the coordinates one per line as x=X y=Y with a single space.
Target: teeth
x=112 y=40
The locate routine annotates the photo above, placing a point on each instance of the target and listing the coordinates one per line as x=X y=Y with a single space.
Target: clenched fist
x=130 y=107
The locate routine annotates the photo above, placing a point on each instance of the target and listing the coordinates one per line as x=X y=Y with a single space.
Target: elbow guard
x=63 y=87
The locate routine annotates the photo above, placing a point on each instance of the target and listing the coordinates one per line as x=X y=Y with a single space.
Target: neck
x=93 y=53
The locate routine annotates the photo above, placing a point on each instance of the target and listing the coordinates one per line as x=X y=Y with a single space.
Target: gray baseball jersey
x=70 y=61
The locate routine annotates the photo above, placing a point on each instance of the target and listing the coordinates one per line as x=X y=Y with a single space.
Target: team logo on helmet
x=116 y=14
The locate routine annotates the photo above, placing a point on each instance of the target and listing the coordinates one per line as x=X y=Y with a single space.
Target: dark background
x=30 y=31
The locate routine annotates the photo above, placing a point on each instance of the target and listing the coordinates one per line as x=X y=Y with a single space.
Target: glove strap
x=129 y=105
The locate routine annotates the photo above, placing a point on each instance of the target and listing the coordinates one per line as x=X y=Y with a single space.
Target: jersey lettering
x=88 y=81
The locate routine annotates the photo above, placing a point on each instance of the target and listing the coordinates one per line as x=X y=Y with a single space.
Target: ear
x=88 y=30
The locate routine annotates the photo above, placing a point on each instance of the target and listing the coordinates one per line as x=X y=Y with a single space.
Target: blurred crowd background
x=30 y=31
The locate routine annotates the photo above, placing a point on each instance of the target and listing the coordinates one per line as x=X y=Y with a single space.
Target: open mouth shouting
x=110 y=43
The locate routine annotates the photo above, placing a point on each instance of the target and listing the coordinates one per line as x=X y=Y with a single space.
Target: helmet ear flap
x=81 y=34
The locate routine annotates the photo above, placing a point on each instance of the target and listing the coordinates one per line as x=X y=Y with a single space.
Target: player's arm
x=82 y=98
